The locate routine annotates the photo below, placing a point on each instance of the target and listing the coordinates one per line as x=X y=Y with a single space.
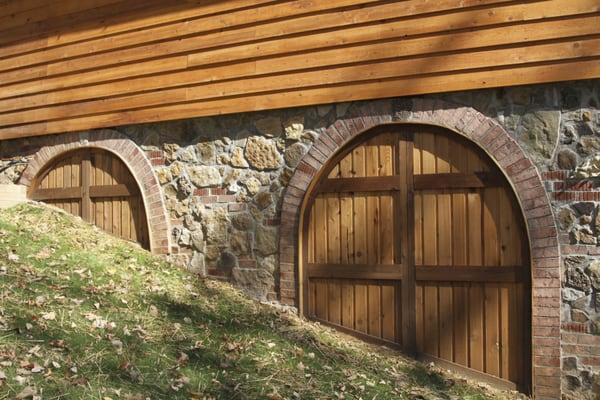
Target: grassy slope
x=84 y=315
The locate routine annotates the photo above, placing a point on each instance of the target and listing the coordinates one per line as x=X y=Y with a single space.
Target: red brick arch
x=135 y=159
x=512 y=161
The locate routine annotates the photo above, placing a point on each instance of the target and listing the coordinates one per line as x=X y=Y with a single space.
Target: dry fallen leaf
x=49 y=316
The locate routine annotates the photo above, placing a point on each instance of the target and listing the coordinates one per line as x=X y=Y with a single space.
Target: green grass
x=87 y=316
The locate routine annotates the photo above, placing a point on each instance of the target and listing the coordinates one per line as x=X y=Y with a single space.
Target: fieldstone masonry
x=232 y=188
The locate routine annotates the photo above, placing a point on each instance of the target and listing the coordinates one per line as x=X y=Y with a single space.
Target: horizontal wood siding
x=73 y=65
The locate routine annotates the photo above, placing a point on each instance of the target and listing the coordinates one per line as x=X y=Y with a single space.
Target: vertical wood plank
x=474 y=228
x=386 y=233
x=348 y=304
x=418 y=224
x=116 y=203
x=373 y=235
x=320 y=208
x=491 y=253
x=388 y=312
x=310 y=245
x=492 y=334
x=98 y=161
x=430 y=319
x=333 y=228
x=346 y=229
x=476 y=339
x=125 y=219
x=419 y=318
x=504 y=331
x=374 y=310
x=446 y=321
x=321 y=299
x=346 y=215
x=360 y=209
x=360 y=307
x=334 y=301
x=86 y=171
x=461 y=323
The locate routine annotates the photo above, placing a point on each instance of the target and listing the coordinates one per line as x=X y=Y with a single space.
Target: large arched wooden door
x=97 y=186
x=413 y=237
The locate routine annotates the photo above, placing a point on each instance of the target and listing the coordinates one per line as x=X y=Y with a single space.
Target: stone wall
x=223 y=179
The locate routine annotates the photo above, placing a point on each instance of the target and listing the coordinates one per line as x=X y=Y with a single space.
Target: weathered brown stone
x=262 y=153
x=540 y=133
x=252 y=184
x=294 y=127
x=263 y=200
x=197 y=264
x=197 y=240
x=237 y=158
x=185 y=188
x=204 y=176
x=579 y=316
x=593 y=271
x=566 y=218
x=577 y=279
x=187 y=155
x=216 y=222
x=584 y=235
x=176 y=169
x=170 y=150
x=590 y=168
x=242 y=221
x=567 y=159
x=240 y=242
x=266 y=240
x=206 y=152
x=227 y=261
x=170 y=191
x=588 y=145
x=293 y=154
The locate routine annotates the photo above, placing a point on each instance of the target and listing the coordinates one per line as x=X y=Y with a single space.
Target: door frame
x=514 y=165
x=135 y=159
x=86 y=193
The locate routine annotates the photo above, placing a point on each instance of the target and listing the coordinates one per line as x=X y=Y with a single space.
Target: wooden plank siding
x=68 y=65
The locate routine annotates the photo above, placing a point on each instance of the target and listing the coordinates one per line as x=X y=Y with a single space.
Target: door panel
x=97 y=186
x=421 y=213
x=471 y=322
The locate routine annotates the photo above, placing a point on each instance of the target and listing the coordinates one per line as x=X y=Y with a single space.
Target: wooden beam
x=56 y=194
x=458 y=180
x=120 y=190
x=470 y=273
x=355 y=271
x=470 y=373
x=86 y=202
x=368 y=184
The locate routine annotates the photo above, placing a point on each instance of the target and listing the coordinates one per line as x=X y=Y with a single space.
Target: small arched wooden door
x=413 y=237
x=97 y=186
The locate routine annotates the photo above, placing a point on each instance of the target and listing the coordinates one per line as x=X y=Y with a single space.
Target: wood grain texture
x=79 y=65
x=420 y=245
x=98 y=187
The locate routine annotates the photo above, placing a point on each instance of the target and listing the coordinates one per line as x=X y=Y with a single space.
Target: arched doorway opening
x=412 y=236
x=97 y=186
